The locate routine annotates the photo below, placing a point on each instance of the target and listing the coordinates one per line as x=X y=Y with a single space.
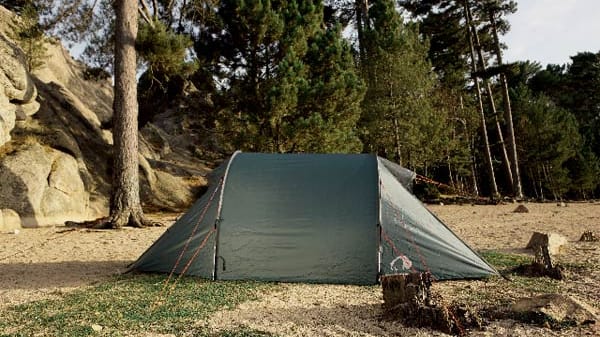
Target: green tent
x=327 y=218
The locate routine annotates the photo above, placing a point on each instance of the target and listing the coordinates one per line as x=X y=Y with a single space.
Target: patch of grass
x=503 y=261
x=126 y=305
x=496 y=291
x=537 y=285
x=508 y=262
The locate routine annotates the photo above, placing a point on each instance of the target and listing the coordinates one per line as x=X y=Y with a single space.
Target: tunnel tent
x=324 y=218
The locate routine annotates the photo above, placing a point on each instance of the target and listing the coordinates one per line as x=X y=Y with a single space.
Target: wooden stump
x=554 y=242
x=542 y=265
x=589 y=236
x=521 y=209
x=409 y=289
x=408 y=298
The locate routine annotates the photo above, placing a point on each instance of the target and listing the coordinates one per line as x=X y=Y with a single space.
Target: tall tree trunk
x=450 y=176
x=488 y=88
x=474 y=174
x=397 y=141
x=125 y=206
x=472 y=150
x=540 y=183
x=534 y=183
x=487 y=154
x=358 y=9
x=512 y=144
x=362 y=24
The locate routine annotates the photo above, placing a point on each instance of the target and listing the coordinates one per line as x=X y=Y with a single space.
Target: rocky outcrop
x=56 y=142
x=17 y=90
x=43 y=186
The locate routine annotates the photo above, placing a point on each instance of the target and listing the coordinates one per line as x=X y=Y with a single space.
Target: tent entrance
x=302 y=219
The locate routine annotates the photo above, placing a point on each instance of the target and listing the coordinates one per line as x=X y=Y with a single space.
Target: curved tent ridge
x=219 y=209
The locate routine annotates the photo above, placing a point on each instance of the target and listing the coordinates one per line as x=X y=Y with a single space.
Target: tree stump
x=589 y=236
x=411 y=290
x=542 y=265
x=521 y=209
x=408 y=298
x=552 y=241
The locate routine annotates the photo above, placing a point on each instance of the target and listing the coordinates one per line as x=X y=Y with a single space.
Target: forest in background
x=421 y=83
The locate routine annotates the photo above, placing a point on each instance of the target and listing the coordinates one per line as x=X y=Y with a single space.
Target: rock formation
x=56 y=142
x=17 y=91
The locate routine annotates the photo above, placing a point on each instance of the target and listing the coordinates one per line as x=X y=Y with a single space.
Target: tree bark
x=125 y=205
x=512 y=144
x=487 y=154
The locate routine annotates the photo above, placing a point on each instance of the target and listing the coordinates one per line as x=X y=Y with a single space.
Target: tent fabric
x=416 y=240
x=326 y=218
x=176 y=247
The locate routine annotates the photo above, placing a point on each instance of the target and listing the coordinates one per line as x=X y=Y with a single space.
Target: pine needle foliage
x=164 y=50
x=30 y=37
x=287 y=82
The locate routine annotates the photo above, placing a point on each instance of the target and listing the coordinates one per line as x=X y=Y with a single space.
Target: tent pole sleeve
x=218 y=219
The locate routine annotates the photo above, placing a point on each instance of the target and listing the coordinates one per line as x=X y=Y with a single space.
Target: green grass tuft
x=122 y=306
x=503 y=261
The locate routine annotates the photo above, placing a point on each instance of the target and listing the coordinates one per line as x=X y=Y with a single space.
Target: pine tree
x=487 y=153
x=442 y=24
x=582 y=96
x=574 y=87
x=273 y=56
x=495 y=8
x=549 y=137
x=398 y=113
x=125 y=206
x=30 y=36
x=584 y=171
x=330 y=102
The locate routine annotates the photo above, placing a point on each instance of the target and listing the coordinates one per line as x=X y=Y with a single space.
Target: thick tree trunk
x=488 y=88
x=512 y=144
x=125 y=206
x=487 y=154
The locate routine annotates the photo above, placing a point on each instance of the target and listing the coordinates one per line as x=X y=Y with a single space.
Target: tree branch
x=144 y=11
x=145 y=16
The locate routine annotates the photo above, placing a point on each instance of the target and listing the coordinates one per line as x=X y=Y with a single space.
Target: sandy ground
x=43 y=262
x=46 y=262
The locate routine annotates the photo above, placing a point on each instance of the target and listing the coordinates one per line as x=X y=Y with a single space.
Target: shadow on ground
x=31 y=276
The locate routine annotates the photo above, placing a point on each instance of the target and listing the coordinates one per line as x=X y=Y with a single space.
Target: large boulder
x=9 y=220
x=43 y=186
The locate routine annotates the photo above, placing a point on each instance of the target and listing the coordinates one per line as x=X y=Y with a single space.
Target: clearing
x=48 y=273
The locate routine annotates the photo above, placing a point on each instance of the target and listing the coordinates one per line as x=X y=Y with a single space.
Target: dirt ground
x=46 y=262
